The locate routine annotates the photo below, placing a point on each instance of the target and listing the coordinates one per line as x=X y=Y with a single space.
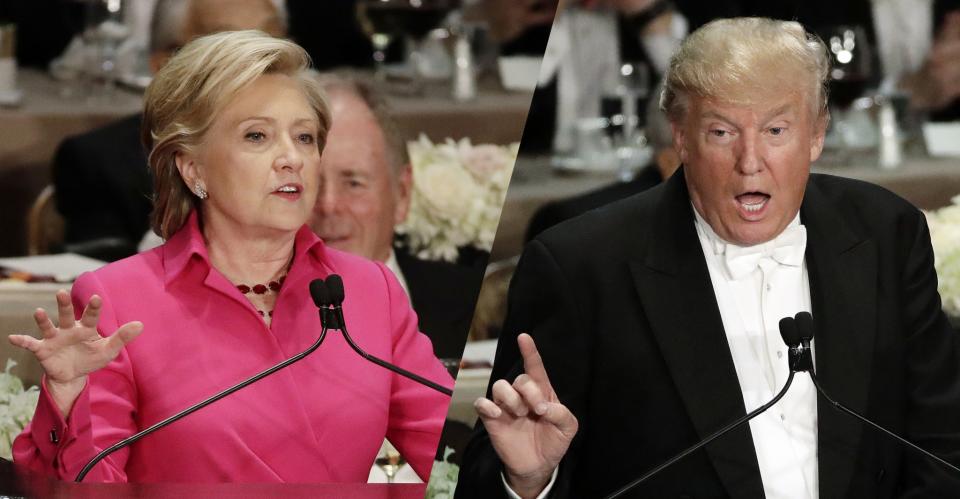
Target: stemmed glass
x=376 y=21
x=385 y=20
x=104 y=30
x=850 y=73
x=630 y=145
x=389 y=460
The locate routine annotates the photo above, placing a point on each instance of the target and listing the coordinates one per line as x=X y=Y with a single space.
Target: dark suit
x=622 y=308
x=104 y=190
x=443 y=295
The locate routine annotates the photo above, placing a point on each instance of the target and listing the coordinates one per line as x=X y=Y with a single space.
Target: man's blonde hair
x=191 y=90
x=743 y=60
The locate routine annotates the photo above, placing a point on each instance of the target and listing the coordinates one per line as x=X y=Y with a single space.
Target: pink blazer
x=320 y=420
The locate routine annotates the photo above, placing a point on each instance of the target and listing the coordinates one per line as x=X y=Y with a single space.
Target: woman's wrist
x=65 y=394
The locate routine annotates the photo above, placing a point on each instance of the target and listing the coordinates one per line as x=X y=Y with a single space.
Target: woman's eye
x=306 y=138
x=255 y=136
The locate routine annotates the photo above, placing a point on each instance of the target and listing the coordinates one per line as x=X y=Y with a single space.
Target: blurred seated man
x=103 y=187
x=366 y=182
x=665 y=161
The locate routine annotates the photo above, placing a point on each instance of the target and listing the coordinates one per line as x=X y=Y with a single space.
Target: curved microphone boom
x=788 y=331
x=200 y=405
x=328 y=296
x=805 y=326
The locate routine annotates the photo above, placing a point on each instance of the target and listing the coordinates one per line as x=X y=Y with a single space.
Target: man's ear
x=679 y=140
x=819 y=133
x=404 y=193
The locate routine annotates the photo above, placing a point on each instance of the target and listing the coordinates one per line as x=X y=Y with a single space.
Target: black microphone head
x=805 y=325
x=320 y=293
x=335 y=286
x=788 y=331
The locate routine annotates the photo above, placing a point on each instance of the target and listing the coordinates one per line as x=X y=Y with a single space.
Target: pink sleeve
x=101 y=416
x=417 y=413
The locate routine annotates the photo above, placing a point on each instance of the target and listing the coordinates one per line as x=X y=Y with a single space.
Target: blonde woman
x=235 y=128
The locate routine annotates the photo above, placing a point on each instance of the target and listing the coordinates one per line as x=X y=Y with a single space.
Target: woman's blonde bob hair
x=191 y=90
x=744 y=60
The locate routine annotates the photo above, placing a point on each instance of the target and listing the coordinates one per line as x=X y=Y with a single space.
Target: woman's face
x=259 y=161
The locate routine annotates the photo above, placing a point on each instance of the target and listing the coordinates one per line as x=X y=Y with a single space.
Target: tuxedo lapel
x=843 y=281
x=676 y=293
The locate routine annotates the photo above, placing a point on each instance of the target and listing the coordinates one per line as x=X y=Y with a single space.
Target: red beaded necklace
x=260 y=289
x=263 y=288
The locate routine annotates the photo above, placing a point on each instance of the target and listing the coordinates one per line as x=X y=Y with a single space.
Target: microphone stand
x=702 y=443
x=340 y=324
x=200 y=405
x=855 y=414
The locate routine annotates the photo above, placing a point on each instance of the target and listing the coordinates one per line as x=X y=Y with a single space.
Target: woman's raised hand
x=75 y=349
x=528 y=426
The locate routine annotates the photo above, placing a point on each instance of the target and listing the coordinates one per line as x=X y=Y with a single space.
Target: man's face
x=747 y=165
x=361 y=198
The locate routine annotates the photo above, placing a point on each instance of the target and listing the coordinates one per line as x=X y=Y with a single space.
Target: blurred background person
x=365 y=189
x=103 y=185
x=235 y=126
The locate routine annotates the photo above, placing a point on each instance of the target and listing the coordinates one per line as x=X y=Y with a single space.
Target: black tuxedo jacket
x=622 y=308
x=104 y=190
x=443 y=295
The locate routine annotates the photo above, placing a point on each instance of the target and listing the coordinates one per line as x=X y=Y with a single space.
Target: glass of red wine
x=851 y=72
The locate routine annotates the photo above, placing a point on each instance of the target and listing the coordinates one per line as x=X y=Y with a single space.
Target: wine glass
x=104 y=31
x=377 y=22
x=389 y=460
x=851 y=72
x=623 y=108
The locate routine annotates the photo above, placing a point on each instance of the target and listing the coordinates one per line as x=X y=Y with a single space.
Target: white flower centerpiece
x=443 y=478
x=458 y=193
x=945 y=236
x=16 y=408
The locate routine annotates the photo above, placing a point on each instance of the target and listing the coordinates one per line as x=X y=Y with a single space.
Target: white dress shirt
x=394 y=266
x=751 y=306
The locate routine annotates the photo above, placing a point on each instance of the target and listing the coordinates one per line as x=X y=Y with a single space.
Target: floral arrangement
x=945 y=236
x=16 y=408
x=458 y=192
x=443 y=478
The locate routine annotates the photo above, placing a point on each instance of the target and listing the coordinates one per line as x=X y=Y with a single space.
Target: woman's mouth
x=289 y=191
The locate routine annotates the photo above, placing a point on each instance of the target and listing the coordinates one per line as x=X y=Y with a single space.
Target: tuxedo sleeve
x=932 y=352
x=543 y=302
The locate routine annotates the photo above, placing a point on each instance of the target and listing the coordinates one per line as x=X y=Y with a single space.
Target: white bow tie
x=785 y=249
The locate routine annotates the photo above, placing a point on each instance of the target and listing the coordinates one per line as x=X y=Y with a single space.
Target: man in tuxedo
x=366 y=182
x=656 y=316
x=103 y=187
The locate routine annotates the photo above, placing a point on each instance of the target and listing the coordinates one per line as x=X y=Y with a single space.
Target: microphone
x=788 y=331
x=805 y=326
x=799 y=355
x=200 y=405
x=328 y=296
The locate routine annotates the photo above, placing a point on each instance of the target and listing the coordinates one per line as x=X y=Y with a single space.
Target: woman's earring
x=199 y=190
